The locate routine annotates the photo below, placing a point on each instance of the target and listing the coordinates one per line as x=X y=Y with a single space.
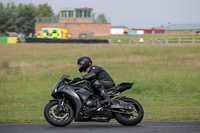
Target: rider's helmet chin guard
x=84 y=62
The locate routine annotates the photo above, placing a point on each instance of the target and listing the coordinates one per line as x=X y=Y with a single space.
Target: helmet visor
x=79 y=65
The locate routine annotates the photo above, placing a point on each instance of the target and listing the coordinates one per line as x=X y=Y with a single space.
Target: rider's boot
x=106 y=99
x=104 y=94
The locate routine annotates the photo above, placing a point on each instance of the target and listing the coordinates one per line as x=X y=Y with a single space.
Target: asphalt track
x=112 y=127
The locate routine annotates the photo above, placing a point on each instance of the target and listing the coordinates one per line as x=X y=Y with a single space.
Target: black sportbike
x=80 y=102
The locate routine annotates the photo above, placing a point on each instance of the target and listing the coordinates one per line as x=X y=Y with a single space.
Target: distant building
x=75 y=21
x=146 y=31
x=119 y=30
x=123 y=30
x=76 y=15
x=182 y=29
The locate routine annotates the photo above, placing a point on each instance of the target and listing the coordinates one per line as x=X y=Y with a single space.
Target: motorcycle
x=80 y=102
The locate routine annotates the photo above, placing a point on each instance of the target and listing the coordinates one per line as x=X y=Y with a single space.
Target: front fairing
x=59 y=85
x=76 y=95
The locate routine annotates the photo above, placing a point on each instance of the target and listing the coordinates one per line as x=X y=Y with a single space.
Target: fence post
x=193 y=40
x=179 y=39
x=153 y=41
x=166 y=40
x=130 y=40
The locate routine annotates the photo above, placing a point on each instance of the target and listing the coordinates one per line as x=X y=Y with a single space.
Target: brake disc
x=55 y=115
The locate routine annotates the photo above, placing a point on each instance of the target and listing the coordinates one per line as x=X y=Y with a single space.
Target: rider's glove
x=77 y=79
x=65 y=80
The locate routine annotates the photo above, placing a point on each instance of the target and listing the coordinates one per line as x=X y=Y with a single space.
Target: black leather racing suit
x=98 y=74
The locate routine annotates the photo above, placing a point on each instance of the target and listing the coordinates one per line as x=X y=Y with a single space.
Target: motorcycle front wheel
x=131 y=119
x=58 y=116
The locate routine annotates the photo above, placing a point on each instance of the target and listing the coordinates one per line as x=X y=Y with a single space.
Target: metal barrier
x=74 y=20
x=8 y=40
x=47 y=40
x=164 y=40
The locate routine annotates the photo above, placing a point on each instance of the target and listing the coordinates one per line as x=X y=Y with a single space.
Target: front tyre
x=131 y=119
x=58 y=116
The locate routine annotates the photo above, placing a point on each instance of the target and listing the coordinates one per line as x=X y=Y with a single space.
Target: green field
x=166 y=77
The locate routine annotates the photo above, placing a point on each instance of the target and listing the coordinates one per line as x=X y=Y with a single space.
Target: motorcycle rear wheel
x=57 y=117
x=133 y=119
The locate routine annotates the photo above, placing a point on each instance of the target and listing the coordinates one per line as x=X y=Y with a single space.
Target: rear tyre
x=57 y=116
x=131 y=119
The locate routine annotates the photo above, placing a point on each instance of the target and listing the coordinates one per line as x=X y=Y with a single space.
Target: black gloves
x=77 y=79
x=66 y=80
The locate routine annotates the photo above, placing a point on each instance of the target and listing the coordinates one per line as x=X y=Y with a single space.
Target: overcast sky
x=132 y=13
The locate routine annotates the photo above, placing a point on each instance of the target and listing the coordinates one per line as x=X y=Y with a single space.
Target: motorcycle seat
x=120 y=87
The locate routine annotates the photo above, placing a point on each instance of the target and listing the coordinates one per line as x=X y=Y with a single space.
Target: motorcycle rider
x=101 y=80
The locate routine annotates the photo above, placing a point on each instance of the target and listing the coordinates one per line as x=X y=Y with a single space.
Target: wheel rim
x=134 y=112
x=58 y=114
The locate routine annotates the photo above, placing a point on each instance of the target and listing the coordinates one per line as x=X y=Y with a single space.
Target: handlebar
x=69 y=81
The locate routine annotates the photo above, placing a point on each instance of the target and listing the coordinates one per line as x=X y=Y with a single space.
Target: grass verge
x=166 y=77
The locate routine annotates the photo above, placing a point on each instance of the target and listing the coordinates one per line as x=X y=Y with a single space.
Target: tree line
x=21 y=18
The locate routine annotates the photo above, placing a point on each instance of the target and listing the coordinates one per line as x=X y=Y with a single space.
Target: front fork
x=61 y=104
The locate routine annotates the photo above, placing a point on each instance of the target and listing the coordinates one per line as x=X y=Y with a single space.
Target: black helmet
x=84 y=62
